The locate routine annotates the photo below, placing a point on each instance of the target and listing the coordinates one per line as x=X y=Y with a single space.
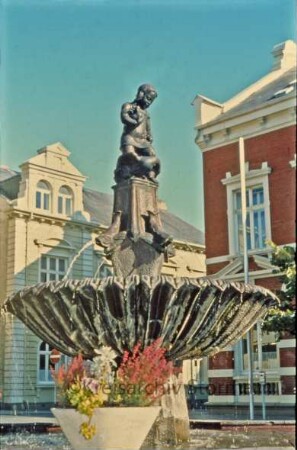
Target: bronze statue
x=136 y=241
x=138 y=157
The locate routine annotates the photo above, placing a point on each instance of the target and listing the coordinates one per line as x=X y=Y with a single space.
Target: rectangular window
x=269 y=388
x=52 y=268
x=60 y=205
x=263 y=349
x=255 y=219
x=38 y=199
x=46 y=200
x=65 y=205
x=45 y=366
x=68 y=206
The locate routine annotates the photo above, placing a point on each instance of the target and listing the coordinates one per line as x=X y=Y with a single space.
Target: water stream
x=200 y=439
x=102 y=262
x=75 y=258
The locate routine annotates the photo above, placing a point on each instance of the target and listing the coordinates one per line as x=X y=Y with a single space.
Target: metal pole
x=263 y=382
x=246 y=270
x=261 y=373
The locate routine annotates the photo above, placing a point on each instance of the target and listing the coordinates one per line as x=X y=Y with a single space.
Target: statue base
x=136 y=258
x=135 y=241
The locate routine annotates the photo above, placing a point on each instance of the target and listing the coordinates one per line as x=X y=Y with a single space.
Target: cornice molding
x=188 y=246
x=91 y=226
x=264 y=110
x=218 y=136
x=52 y=220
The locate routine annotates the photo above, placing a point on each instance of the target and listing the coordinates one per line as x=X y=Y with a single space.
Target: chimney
x=284 y=55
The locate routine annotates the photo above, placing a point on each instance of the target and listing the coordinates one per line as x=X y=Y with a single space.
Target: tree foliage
x=282 y=318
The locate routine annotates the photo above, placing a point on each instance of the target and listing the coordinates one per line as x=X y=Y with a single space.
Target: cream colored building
x=46 y=217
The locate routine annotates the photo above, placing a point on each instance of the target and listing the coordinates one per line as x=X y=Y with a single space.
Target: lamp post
x=246 y=270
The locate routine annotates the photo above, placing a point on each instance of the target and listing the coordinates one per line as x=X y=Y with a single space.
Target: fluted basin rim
x=195 y=317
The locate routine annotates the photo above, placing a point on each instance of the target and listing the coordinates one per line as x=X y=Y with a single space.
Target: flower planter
x=117 y=427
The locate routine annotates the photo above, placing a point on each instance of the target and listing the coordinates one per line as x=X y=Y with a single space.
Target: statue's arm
x=148 y=129
x=126 y=114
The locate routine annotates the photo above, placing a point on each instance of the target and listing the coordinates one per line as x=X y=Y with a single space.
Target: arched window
x=65 y=201
x=44 y=363
x=43 y=195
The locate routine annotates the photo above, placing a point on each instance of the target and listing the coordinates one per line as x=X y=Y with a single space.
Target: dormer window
x=65 y=201
x=43 y=195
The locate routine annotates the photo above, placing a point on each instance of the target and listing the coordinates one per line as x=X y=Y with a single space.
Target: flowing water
x=84 y=247
x=101 y=264
x=200 y=439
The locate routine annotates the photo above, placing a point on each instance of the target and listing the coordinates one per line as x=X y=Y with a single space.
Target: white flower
x=104 y=362
x=107 y=354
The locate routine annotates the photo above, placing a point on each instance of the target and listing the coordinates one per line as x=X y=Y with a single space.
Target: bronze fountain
x=194 y=317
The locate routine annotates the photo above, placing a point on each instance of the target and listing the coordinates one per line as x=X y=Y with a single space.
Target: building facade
x=48 y=225
x=264 y=115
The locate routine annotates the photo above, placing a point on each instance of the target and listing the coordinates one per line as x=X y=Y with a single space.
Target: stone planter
x=117 y=428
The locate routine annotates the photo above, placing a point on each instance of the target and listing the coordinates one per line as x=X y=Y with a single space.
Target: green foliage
x=282 y=318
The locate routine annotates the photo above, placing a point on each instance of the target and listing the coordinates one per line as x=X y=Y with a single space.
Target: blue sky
x=67 y=66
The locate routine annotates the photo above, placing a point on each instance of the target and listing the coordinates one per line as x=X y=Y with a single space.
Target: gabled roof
x=9 y=182
x=54 y=157
x=278 y=89
x=273 y=89
x=6 y=172
x=99 y=205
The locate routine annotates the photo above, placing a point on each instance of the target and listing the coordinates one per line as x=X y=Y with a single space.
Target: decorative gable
x=51 y=170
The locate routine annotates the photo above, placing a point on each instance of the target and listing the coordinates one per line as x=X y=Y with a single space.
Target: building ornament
x=54 y=243
x=250 y=174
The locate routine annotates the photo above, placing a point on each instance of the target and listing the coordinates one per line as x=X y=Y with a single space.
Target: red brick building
x=264 y=115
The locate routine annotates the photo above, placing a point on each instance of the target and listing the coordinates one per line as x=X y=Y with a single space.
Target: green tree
x=282 y=318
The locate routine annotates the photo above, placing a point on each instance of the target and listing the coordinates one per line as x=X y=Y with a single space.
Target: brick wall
x=276 y=148
x=287 y=357
x=271 y=283
x=222 y=360
x=288 y=384
x=214 y=268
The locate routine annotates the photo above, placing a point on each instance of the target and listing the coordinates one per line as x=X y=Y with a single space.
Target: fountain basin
x=194 y=317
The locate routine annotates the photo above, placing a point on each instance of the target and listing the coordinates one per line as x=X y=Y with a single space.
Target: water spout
x=84 y=247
